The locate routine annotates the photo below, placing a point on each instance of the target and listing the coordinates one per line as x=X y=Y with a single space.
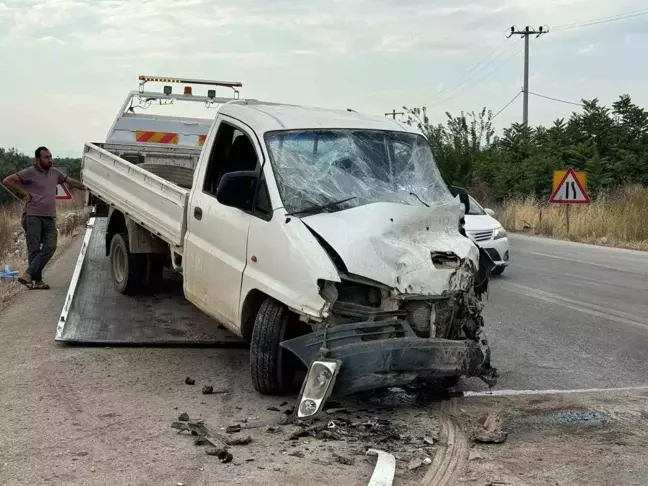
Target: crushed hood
x=394 y=243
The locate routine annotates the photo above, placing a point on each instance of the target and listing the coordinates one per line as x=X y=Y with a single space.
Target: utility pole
x=526 y=33
x=394 y=113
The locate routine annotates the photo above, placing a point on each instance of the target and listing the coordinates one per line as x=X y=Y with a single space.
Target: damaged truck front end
x=408 y=302
x=375 y=337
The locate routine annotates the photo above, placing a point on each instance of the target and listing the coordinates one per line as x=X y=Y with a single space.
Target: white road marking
x=575 y=244
x=578 y=305
x=574 y=260
x=513 y=393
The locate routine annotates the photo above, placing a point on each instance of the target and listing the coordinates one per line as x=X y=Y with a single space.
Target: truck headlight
x=317 y=386
x=499 y=233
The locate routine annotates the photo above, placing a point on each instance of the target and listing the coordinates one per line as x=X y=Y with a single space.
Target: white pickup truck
x=327 y=236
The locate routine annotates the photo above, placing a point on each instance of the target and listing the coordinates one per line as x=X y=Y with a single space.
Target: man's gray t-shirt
x=41 y=185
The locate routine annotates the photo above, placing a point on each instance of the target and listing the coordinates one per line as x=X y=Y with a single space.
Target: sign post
x=569 y=187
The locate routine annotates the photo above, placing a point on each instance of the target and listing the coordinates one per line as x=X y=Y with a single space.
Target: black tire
x=272 y=368
x=450 y=381
x=125 y=267
x=497 y=270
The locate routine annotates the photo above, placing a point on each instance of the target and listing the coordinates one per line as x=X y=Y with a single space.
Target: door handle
x=197 y=213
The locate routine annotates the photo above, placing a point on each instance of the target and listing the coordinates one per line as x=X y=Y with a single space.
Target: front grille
x=482 y=235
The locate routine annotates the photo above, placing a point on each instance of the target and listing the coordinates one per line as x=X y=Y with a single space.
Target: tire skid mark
x=450 y=460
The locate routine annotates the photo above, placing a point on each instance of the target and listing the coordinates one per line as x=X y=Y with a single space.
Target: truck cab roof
x=267 y=117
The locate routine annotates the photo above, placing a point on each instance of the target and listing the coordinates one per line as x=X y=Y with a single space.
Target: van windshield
x=320 y=167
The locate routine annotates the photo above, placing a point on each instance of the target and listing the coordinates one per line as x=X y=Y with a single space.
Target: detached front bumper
x=388 y=353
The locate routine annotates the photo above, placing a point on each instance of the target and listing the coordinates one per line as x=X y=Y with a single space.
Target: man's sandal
x=40 y=286
x=29 y=285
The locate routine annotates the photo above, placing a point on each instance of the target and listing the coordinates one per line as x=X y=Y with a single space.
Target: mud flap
x=95 y=313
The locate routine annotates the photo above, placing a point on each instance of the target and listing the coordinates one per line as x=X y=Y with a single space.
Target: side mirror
x=236 y=189
x=490 y=212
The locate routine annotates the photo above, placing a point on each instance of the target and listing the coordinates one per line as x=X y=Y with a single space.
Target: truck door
x=215 y=254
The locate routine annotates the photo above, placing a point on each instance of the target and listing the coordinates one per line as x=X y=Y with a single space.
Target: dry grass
x=618 y=219
x=71 y=215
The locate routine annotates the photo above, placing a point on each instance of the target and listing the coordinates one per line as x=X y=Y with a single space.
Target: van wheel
x=272 y=368
x=450 y=381
x=125 y=267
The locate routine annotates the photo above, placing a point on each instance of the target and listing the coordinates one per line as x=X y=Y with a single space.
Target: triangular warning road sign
x=570 y=190
x=62 y=192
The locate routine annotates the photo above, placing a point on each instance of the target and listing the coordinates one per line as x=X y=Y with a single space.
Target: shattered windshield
x=315 y=168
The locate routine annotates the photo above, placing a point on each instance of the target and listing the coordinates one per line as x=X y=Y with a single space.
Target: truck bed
x=155 y=203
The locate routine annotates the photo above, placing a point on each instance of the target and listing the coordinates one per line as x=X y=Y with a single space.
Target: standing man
x=37 y=186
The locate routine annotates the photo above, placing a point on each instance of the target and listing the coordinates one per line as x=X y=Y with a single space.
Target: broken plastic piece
x=385 y=469
x=8 y=274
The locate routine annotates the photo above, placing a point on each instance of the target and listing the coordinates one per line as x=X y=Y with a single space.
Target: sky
x=67 y=65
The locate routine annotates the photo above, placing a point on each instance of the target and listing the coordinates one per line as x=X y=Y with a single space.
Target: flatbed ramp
x=95 y=313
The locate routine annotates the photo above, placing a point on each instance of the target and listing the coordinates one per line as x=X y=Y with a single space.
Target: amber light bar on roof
x=160 y=79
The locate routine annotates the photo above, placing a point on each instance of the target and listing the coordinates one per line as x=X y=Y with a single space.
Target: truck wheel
x=450 y=381
x=272 y=368
x=125 y=267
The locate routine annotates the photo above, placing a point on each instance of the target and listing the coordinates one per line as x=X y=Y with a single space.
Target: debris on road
x=273 y=409
x=184 y=417
x=414 y=464
x=385 y=469
x=474 y=455
x=209 y=390
x=198 y=428
x=232 y=429
x=190 y=381
x=239 y=440
x=492 y=432
x=222 y=454
x=299 y=454
x=343 y=459
x=428 y=441
x=328 y=435
x=271 y=429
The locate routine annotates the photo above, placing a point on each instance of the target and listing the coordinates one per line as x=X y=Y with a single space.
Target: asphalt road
x=569 y=316
x=562 y=316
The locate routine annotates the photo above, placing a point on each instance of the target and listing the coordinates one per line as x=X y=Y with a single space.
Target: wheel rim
x=119 y=264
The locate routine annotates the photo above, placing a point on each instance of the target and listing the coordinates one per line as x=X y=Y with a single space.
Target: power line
x=471 y=70
x=507 y=105
x=603 y=20
x=482 y=79
x=556 y=99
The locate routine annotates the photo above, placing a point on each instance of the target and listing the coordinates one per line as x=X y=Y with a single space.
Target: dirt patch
x=575 y=440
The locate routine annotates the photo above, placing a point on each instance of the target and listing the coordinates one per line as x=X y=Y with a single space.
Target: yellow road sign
x=569 y=187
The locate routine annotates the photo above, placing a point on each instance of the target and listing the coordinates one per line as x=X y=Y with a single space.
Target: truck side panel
x=147 y=199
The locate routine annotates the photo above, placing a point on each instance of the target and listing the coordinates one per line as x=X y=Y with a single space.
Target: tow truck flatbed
x=95 y=313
